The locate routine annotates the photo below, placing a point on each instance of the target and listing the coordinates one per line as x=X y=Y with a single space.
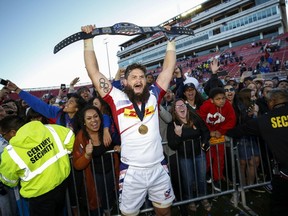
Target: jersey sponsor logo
x=40 y=150
x=130 y=113
x=279 y=121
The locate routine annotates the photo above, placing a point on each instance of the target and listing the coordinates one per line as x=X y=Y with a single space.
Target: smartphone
x=3 y=82
x=63 y=87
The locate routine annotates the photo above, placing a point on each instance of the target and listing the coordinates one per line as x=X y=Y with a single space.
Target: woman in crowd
x=256 y=91
x=89 y=155
x=232 y=97
x=191 y=95
x=105 y=110
x=110 y=131
x=248 y=152
x=188 y=134
x=165 y=118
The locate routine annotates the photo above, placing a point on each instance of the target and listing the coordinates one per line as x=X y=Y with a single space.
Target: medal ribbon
x=140 y=113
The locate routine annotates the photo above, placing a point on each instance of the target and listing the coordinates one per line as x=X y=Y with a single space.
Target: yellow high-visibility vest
x=37 y=157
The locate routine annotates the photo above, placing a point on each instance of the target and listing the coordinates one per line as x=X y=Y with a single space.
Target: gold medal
x=143 y=129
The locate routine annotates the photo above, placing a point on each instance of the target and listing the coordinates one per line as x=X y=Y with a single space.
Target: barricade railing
x=254 y=166
x=188 y=171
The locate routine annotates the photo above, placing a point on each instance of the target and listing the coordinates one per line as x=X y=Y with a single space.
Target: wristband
x=88 y=45
x=171 y=46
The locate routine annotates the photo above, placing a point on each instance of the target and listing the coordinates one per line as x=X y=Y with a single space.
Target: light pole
x=106 y=43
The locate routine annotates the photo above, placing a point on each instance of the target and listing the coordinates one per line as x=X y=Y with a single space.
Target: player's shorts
x=136 y=182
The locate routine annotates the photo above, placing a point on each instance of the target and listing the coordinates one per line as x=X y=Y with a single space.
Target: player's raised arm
x=169 y=64
x=100 y=82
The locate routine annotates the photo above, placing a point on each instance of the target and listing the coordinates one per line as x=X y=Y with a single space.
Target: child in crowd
x=219 y=116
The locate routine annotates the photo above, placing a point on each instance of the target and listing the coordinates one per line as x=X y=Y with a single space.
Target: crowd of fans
x=195 y=114
x=266 y=54
x=183 y=117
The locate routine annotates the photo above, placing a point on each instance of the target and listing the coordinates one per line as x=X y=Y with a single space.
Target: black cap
x=187 y=85
x=248 y=78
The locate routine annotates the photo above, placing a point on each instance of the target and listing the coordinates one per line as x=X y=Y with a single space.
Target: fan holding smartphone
x=3 y=82
x=63 y=87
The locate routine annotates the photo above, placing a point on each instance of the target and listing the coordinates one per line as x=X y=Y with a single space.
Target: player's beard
x=136 y=98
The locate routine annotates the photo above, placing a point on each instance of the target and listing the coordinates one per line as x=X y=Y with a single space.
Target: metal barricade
x=228 y=173
x=78 y=202
x=227 y=169
x=254 y=167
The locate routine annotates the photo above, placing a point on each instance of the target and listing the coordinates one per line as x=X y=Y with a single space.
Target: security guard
x=273 y=128
x=38 y=157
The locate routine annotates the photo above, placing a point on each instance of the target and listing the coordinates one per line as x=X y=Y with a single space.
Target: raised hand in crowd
x=178 y=129
x=72 y=84
x=214 y=65
x=13 y=87
x=119 y=74
x=61 y=95
x=75 y=81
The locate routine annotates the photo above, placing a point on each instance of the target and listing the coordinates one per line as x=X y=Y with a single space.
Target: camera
x=3 y=82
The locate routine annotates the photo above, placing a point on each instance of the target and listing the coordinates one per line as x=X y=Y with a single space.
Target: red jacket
x=220 y=119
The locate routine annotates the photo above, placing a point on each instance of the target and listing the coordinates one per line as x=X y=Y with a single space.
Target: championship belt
x=123 y=28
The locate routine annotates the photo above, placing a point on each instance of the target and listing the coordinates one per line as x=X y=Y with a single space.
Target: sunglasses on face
x=230 y=90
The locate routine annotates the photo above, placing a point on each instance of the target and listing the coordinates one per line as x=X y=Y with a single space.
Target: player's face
x=136 y=81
